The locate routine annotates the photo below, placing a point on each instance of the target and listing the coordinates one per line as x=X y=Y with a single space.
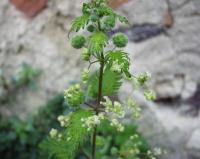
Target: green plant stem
x=98 y=104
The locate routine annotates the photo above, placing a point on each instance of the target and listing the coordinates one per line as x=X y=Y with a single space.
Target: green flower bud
x=85 y=54
x=93 y=18
x=100 y=141
x=108 y=22
x=74 y=96
x=104 y=10
x=114 y=151
x=149 y=95
x=86 y=8
x=120 y=40
x=90 y=28
x=78 y=41
x=85 y=75
x=144 y=77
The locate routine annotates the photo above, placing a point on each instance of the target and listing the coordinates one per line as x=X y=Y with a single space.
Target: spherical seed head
x=78 y=41
x=90 y=28
x=120 y=40
x=93 y=18
x=108 y=22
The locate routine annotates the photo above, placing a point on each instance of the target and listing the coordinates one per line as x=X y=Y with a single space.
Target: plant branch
x=92 y=63
x=98 y=104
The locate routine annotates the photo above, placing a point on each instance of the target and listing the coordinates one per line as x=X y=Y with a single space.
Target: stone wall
x=173 y=59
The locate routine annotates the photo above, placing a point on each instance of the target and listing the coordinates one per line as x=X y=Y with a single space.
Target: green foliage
x=25 y=77
x=73 y=137
x=122 y=19
x=19 y=139
x=108 y=22
x=120 y=40
x=86 y=8
x=96 y=42
x=78 y=41
x=105 y=11
x=91 y=28
x=98 y=18
x=120 y=58
x=85 y=55
x=80 y=22
x=114 y=142
x=111 y=83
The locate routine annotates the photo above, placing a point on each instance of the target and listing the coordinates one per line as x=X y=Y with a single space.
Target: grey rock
x=193 y=144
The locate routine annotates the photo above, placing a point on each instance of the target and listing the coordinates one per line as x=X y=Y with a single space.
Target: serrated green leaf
x=123 y=19
x=121 y=58
x=97 y=41
x=74 y=136
x=111 y=83
x=80 y=22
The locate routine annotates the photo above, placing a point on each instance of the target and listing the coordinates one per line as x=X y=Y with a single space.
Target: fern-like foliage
x=123 y=19
x=97 y=41
x=80 y=22
x=121 y=58
x=111 y=83
x=73 y=137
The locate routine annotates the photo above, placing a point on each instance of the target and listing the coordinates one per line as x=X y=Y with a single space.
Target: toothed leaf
x=79 y=23
x=121 y=58
x=111 y=83
x=73 y=137
x=97 y=41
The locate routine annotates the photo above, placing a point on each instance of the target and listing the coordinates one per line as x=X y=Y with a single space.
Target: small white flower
x=157 y=151
x=53 y=133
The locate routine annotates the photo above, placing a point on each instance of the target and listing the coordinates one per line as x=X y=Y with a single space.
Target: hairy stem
x=98 y=104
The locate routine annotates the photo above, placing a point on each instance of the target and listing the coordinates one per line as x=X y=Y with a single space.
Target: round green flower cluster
x=78 y=41
x=91 y=28
x=120 y=40
x=108 y=22
x=74 y=96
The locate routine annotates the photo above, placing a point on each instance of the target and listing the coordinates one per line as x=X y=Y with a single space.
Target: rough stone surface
x=165 y=126
x=41 y=42
x=194 y=144
x=174 y=62
x=173 y=59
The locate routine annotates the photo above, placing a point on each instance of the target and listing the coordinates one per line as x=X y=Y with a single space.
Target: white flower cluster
x=117 y=124
x=114 y=111
x=149 y=95
x=92 y=121
x=134 y=108
x=115 y=108
x=143 y=78
x=156 y=152
x=64 y=120
x=54 y=134
x=85 y=75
